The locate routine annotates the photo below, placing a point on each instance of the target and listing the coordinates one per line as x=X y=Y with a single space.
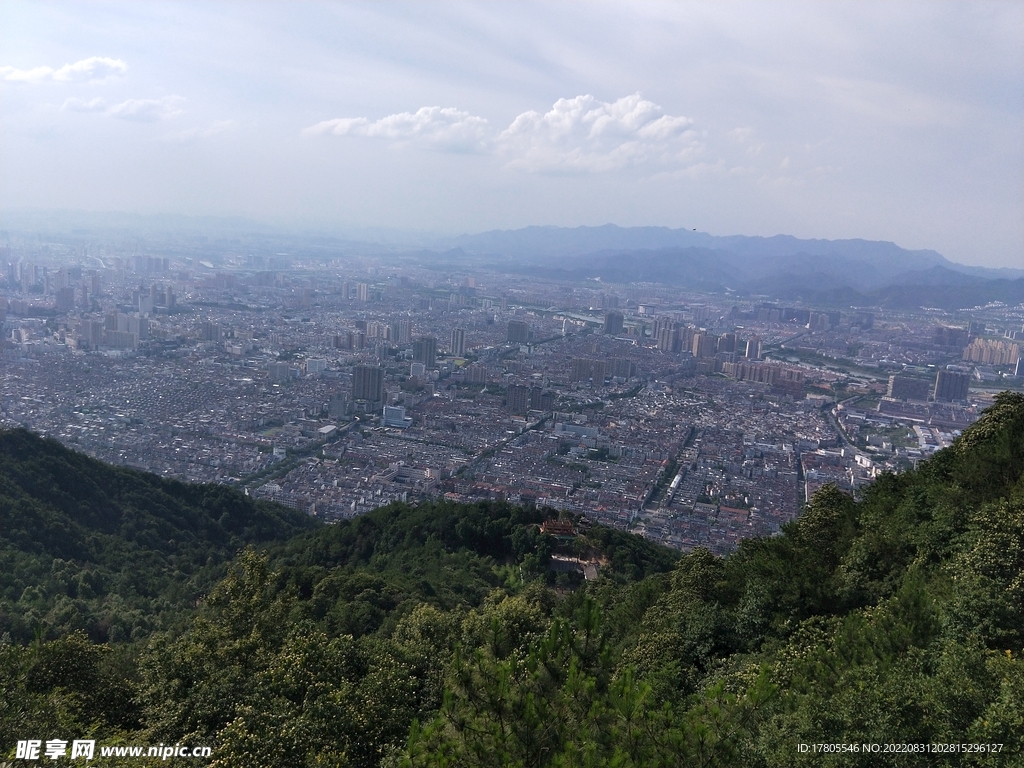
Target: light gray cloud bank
x=428 y=127
x=84 y=105
x=91 y=69
x=147 y=110
x=581 y=134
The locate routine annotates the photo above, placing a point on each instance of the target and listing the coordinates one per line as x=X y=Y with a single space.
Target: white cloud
x=575 y=135
x=745 y=138
x=81 y=105
x=584 y=134
x=429 y=127
x=91 y=69
x=147 y=110
x=216 y=128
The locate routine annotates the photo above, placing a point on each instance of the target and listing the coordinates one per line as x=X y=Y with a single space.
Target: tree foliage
x=431 y=636
x=113 y=552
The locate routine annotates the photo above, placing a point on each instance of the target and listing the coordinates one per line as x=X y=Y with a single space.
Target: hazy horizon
x=894 y=122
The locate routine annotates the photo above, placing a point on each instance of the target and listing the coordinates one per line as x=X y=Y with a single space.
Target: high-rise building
x=660 y=323
x=622 y=368
x=727 y=342
x=990 y=352
x=424 y=350
x=580 y=369
x=753 y=348
x=378 y=330
x=458 y=346
x=864 y=320
x=362 y=292
x=368 y=383
x=945 y=336
x=210 y=331
x=703 y=345
x=951 y=385
x=91 y=333
x=518 y=332
x=819 y=321
x=65 y=298
x=278 y=372
x=518 y=399
x=401 y=331
x=337 y=408
x=139 y=326
x=350 y=340
x=541 y=400
x=684 y=338
x=908 y=388
x=668 y=339
x=613 y=323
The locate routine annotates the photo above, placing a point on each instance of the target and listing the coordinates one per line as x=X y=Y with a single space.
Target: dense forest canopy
x=438 y=634
x=110 y=551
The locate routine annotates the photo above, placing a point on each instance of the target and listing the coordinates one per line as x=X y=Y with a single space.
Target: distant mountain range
x=837 y=272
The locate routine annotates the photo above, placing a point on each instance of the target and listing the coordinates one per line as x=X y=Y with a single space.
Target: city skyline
x=899 y=122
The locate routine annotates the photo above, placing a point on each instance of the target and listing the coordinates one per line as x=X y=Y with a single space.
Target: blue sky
x=891 y=121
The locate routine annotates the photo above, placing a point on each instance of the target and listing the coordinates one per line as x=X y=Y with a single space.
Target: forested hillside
x=438 y=635
x=111 y=551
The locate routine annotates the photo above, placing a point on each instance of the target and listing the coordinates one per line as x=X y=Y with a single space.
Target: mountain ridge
x=828 y=272
x=581 y=241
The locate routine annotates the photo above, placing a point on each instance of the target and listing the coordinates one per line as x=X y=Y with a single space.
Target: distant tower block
x=424 y=350
x=518 y=399
x=704 y=345
x=951 y=385
x=458 y=345
x=908 y=388
x=613 y=323
x=518 y=332
x=368 y=383
x=401 y=331
x=753 y=348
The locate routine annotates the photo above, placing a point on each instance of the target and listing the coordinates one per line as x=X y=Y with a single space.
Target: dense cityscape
x=335 y=382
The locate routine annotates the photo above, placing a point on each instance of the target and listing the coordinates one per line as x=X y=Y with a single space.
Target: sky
x=875 y=120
